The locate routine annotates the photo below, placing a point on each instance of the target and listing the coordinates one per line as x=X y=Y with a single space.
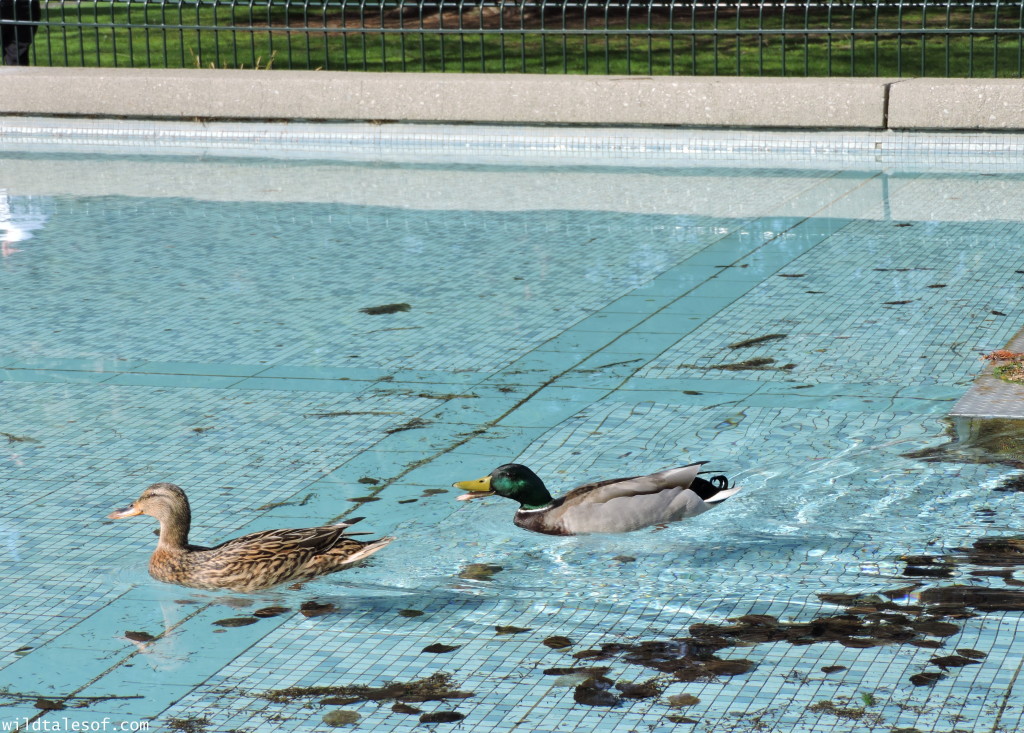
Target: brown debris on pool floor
x=437 y=687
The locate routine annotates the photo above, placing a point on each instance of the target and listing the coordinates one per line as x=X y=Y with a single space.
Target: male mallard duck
x=245 y=564
x=618 y=505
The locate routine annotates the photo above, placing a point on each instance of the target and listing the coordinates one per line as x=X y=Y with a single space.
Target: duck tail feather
x=726 y=491
x=368 y=549
x=349 y=522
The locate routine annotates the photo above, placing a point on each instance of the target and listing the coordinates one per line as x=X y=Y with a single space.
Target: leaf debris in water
x=188 y=725
x=439 y=648
x=442 y=716
x=759 y=363
x=971 y=653
x=409 y=613
x=926 y=679
x=237 y=621
x=11 y=438
x=953 y=660
x=270 y=611
x=511 y=629
x=380 y=310
x=682 y=700
x=480 y=571
x=594 y=692
x=582 y=672
x=345 y=413
x=338 y=718
x=139 y=636
x=757 y=340
x=557 y=642
x=309 y=609
x=641 y=690
x=437 y=686
x=410 y=425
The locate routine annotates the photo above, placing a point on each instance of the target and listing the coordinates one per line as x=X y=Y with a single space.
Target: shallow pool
x=805 y=331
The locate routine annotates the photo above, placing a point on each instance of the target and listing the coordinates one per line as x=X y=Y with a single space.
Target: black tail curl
x=706 y=488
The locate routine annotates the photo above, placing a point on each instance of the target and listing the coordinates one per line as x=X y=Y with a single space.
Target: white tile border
x=521 y=145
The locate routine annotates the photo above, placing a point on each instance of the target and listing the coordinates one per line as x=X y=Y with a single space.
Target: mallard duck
x=245 y=564
x=617 y=505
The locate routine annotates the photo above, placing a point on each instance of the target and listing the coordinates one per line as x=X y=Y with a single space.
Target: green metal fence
x=810 y=38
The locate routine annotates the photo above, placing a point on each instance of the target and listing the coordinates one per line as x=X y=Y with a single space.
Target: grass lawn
x=837 y=40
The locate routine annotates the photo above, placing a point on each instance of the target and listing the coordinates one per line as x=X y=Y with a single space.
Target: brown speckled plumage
x=245 y=564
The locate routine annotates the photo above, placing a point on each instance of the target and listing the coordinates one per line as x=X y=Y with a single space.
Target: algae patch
x=436 y=687
x=381 y=310
x=757 y=340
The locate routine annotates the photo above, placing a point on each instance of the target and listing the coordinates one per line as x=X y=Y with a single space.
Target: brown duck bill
x=479 y=487
x=128 y=511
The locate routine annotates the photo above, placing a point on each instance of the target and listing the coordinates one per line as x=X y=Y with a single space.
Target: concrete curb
x=957 y=104
x=677 y=101
x=771 y=103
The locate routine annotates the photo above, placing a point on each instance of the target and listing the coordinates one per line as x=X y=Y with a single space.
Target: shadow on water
x=978 y=440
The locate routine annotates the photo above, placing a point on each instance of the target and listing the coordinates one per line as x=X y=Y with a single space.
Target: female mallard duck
x=245 y=564
x=618 y=505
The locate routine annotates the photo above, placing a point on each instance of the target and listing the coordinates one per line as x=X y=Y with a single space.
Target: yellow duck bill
x=479 y=487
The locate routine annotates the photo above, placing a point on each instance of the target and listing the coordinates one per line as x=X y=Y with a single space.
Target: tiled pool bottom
x=223 y=345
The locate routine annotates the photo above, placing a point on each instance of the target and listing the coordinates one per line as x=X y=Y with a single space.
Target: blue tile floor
x=806 y=332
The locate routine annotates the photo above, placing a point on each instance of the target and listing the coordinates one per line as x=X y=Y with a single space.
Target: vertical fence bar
x=853 y=38
x=607 y=41
x=585 y=24
x=307 y=33
x=64 y=30
x=650 y=38
x=948 y=36
x=899 y=38
x=995 y=40
x=215 y=7
x=382 y=13
x=714 y=43
x=807 y=37
x=761 y=38
x=782 y=23
x=970 y=50
x=483 y=37
x=876 y=50
x=1020 y=41
x=128 y=21
x=671 y=20
x=924 y=38
x=739 y=37
x=543 y=39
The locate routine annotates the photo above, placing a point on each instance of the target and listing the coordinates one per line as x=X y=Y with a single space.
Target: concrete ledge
x=990 y=396
x=957 y=104
x=452 y=98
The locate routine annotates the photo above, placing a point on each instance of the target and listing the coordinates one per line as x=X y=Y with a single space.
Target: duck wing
x=298 y=544
x=601 y=492
x=627 y=504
